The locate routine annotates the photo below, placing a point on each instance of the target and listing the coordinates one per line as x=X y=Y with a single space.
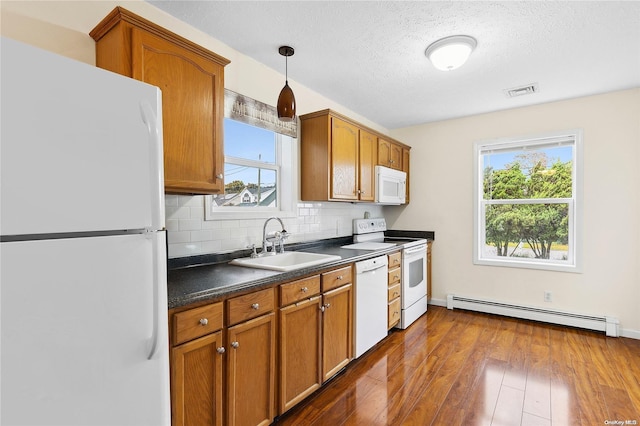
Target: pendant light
x=286 y=100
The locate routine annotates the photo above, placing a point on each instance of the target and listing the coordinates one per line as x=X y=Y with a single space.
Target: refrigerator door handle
x=156 y=153
x=153 y=341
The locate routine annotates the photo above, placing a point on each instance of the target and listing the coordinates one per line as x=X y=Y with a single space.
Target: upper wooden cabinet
x=338 y=158
x=367 y=165
x=389 y=154
x=406 y=157
x=192 y=82
x=345 y=141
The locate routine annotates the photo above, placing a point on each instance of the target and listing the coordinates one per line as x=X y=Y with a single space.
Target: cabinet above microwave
x=338 y=158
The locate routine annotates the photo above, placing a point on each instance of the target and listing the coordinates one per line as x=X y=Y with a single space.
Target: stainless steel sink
x=287 y=261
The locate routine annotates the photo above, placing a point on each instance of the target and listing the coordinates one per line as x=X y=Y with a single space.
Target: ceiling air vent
x=522 y=90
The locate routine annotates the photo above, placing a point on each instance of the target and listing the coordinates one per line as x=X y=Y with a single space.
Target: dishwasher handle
x=372 y=268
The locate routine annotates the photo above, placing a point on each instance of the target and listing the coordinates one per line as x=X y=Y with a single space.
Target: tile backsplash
x=189 y=234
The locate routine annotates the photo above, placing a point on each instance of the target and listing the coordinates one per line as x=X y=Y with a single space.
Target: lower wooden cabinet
x=251 y=372
x=196 y=382
x=394 y=282
x=337 y=326
x=429 y=243
x=224 y=360
x=393 y=313
x=300 y=350
x=316 y=338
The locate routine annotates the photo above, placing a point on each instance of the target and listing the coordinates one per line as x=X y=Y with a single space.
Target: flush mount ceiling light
x=286 y=100
x=451 y=52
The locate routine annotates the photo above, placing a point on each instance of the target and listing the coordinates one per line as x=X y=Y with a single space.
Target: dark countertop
x=210 y=277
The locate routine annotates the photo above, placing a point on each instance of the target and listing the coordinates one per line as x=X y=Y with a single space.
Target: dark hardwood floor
x=465 y=368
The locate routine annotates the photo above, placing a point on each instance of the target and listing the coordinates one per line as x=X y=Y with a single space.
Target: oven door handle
x=412 y=250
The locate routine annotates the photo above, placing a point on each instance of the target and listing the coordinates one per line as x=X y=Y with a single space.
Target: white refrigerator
x=83 y=297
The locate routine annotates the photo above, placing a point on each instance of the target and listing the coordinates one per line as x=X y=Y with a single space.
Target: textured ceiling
x=369 y=56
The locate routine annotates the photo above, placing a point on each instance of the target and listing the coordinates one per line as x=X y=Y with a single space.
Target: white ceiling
x=369 y=56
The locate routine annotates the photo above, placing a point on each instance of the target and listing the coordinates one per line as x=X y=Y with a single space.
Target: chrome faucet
x=278 y=237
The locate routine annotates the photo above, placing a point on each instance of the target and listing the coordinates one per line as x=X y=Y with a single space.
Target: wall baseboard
x=605 y=324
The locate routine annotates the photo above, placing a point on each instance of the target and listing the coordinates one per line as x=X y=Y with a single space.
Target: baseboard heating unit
x=605 y=323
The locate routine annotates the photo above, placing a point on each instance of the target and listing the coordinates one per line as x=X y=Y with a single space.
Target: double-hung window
x=251 y=167
x=527 y=202
x=259 y=163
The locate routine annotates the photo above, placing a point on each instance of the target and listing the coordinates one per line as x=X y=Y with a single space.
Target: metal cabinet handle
x=340 y=277
x=396 y=277
x=255 y=306
x=395 y=293
x=220 y=176
x=304 y=289
x=221 y=350
x=204 y=321
x=328 y=305
x=235 y=345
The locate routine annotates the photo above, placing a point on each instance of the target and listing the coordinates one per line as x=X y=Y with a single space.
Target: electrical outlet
x=547 y=296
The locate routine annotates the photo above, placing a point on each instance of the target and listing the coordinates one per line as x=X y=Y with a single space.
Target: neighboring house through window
x=528 y=209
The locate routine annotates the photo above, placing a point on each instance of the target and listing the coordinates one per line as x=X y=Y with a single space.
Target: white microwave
x=390 y=186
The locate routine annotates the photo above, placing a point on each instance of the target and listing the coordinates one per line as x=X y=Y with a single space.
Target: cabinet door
x=251 y=372
x=192 y=108
x=368 y=156
x=337 y=323
x=344 y=160
x=196 y=382
x=389 y=154
x=300 y=326
x=406 y=155
x=396 y=156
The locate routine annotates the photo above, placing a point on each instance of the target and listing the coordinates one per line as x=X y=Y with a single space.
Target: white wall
x=442 y=201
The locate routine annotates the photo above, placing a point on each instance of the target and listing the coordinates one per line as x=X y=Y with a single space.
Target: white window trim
x=287 y=188
x=574 y=264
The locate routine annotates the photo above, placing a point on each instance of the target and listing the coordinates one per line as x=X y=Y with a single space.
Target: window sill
x=519 y=263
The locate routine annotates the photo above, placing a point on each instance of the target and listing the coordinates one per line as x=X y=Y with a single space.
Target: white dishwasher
x=371 y=303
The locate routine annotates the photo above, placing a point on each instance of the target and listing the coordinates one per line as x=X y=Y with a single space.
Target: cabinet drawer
x=197 y=322
x=395 y=259
x=337 y=278
x=395 y=275
x=394 y=313
x=250 y=305
x=394 y=292
x=299 y=290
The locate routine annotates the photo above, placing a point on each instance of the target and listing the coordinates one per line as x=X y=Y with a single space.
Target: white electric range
x=368 y=234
